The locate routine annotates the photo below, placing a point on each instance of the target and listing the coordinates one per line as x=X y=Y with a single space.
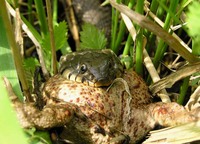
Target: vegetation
x=167 y=31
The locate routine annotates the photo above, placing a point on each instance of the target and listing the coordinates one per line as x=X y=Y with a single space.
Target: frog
x=95 y=100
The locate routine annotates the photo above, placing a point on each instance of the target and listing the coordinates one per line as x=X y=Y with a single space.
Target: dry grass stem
x=147 y=61
x=169 y=80
x=158 y=21
x=34 y=40
x=194 y=100
x=18 y=32
x=73 y=23
x=52 y=39
x=129 y=26
x=9 y=89
x=144 y=22
x=154 y=75
x=175 y=135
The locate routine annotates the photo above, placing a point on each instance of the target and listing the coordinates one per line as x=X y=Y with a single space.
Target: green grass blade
x=127 y=45
x=157 y=30
x=41 y=17
x=183 y=90
x=115 y=16
x=30 y=9
x=122 y=30
x=7 y=66
x=32 y=30
x=10 y=128
x=9 y=125
x=139 y=41
x=55 y=12
x=161 y=45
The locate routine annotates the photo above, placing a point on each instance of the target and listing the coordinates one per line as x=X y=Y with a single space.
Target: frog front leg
x=78 y=128
x=50 y=116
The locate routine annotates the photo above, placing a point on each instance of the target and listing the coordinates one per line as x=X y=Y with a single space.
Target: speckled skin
x=113 y=116
x=93 y=115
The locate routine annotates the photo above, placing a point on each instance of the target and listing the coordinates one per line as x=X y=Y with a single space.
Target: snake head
x=92 y=67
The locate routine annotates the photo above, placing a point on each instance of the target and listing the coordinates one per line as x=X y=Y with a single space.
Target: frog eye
x=83 y=69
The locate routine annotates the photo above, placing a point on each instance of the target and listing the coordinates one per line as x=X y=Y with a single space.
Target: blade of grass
x=183 y=90
x=169 y=80
x=181 y=134
x=122 y=30
x=154 y=6
x=161 y=45
x=151 y=26
x=150 y=36
x=9 y=125
x=131 y=37
x=15 y=51
x=34 y=36
x=7 y=66
x=55 y=12
x=41 y=17
x=30 y=9
x=115 y=16
x=52 y=40
x=139 y=41
x=127 y=45
x=147 y=60
x=160 y=12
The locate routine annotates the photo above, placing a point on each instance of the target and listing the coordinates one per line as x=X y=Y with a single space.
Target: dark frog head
x=92 y=67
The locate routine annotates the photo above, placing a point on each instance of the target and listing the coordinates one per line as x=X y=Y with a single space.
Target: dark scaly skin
x=93 y=67
x=93 y=115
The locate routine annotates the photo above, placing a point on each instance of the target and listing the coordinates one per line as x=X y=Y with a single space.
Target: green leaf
x=195 y=82
x=60 y=36
x=92 y=38
x=196 y=45
x=193 y=19
x=38 y=137
x=194 y=27
x=127 y=61
x=29 y=65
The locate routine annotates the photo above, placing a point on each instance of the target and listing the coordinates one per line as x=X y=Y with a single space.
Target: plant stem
x=122 y=30
x=41 y=16
x=55 y=12
x=52 y=40
x=161 y=45
x=183 y=90
x=15 y=51
x=139 y=41
x=115 y=16
x=30 y=17
x=127 y=45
